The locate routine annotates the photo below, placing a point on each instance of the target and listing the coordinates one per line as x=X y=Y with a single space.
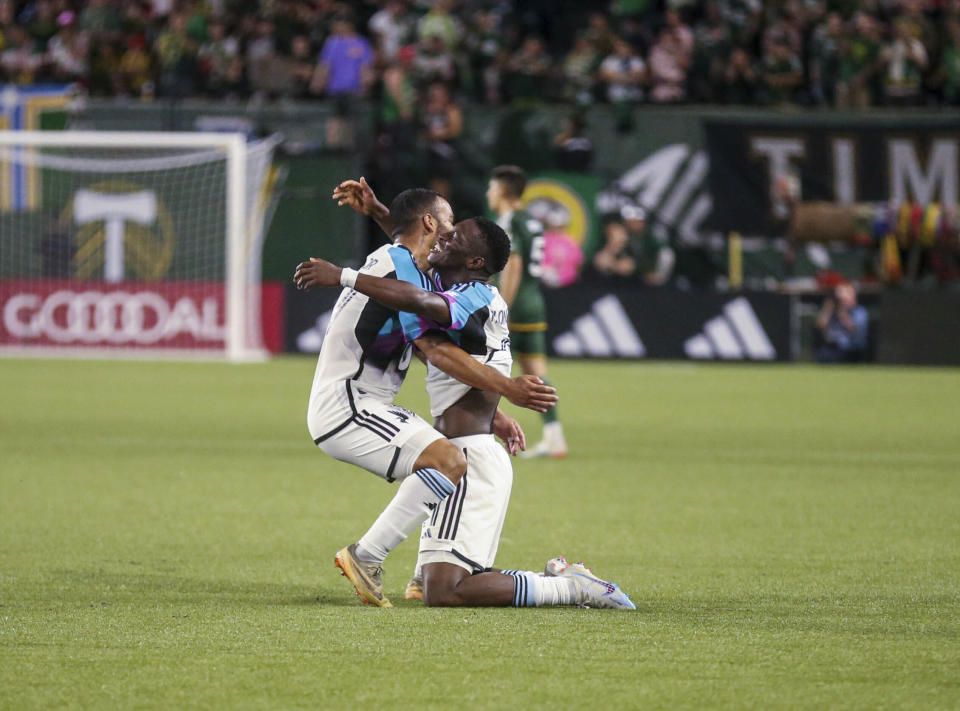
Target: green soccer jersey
x=526 y=239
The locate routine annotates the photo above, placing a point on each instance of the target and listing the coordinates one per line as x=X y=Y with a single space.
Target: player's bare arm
x=396 y=294
x=510 y=278
x=358 y=195
x=525 y=391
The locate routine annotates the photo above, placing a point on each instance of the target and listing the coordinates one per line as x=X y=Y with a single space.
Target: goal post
x=138 y=244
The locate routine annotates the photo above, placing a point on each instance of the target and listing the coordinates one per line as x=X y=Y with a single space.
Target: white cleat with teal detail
x=593 y=591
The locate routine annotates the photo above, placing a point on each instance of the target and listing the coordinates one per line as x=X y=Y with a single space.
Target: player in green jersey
x=520 y=288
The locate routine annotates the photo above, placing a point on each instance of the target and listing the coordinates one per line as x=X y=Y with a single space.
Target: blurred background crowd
x=425 y=54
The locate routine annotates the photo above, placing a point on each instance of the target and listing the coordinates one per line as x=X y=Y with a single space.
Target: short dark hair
x=410 y=205
x=497 y=244
x=513 y=178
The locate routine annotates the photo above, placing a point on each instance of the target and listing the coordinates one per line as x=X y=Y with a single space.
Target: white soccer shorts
x=378 y=436
x=465 y=528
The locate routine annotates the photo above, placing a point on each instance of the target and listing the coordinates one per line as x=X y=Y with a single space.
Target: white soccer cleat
x=592 y=591
x=543 y=448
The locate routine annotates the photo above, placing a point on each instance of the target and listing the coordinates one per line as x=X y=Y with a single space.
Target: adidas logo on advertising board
x=734 y=335
x=310 y=340
x=604 y=332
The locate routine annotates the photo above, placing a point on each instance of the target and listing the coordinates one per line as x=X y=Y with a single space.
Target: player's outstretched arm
x=526 y=391
x=359 y=195
x=393 y=293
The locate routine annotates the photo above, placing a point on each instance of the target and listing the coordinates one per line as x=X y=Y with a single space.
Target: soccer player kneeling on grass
x=362 y=363
x=459 y=541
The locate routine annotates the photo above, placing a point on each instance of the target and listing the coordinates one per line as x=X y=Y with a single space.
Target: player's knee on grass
x=444 y=456
x=440 y=582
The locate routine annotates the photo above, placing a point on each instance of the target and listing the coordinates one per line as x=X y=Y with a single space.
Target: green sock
x=551 y=414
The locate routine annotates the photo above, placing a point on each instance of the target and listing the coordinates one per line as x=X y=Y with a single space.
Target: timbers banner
x=756 y=165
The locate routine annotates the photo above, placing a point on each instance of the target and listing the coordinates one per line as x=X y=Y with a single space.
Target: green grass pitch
x=790 y=534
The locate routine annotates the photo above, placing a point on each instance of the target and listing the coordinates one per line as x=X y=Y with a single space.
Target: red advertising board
x=125 y=315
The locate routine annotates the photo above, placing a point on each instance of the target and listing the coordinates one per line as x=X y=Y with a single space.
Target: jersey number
x=536 y=256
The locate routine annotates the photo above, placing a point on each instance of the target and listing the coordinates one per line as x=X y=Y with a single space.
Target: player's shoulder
x=404 y=266
x=479 y=293
x=381 y=261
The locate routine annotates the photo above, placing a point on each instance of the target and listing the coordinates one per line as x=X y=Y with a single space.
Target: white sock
x=533 y=589
x=414 y=500
x=553 y=432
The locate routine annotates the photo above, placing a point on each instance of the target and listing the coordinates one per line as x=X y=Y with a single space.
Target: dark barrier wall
x=623 y=320
x=919 y=329
x=617 y=321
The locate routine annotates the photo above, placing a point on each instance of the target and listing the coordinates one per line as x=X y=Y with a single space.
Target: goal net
x=137 y=244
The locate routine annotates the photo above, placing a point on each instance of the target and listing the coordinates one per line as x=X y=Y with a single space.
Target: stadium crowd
x=841 y=53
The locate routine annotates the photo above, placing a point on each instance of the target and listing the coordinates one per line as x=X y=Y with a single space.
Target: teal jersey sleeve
x=412 y=325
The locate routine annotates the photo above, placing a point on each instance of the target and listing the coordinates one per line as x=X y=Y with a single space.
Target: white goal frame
x=237 y=234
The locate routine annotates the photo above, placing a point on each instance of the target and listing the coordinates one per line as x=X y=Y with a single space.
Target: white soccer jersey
x=478 y=324
x=367 y=342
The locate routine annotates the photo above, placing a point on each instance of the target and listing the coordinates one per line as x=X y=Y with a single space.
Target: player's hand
x=358 y=195
x=316 y=272
x=509 y=431
x=528 y=391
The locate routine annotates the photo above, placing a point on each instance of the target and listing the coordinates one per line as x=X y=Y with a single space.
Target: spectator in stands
x=433 y=61
x=68 y=51
x=948 y=73
x=630 y=249
x=905 y=60
x=681 y=33
x=392 y=28
x=177 y=55
x=825 y=59
x=740 y=81
x=261 y=58
x=19 y=63
x=439 y=22
x=41 y=22
x=398 y=97
x=528 y=71
x=346 y=62
x=600 y=34
x=670 y=59
x=220 y=63
x=842 y=326
x=625 y=74
x=300 y=64
x=579 y=71
x=573 y=149
x=859 y=60
x=136 y=68
x=712 y=43
x=781 y=71
x=484 y=45
x=442 y=122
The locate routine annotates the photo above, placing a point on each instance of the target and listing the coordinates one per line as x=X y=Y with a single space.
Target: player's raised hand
x=528 y=391
x=358 y=195
x=509 y=431
x=316 y=272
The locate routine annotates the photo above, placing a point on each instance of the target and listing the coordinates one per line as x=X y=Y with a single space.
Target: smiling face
x=458 y=248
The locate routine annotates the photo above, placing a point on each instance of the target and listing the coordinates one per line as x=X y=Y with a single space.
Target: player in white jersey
x=362 y=362
x=459 y=542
